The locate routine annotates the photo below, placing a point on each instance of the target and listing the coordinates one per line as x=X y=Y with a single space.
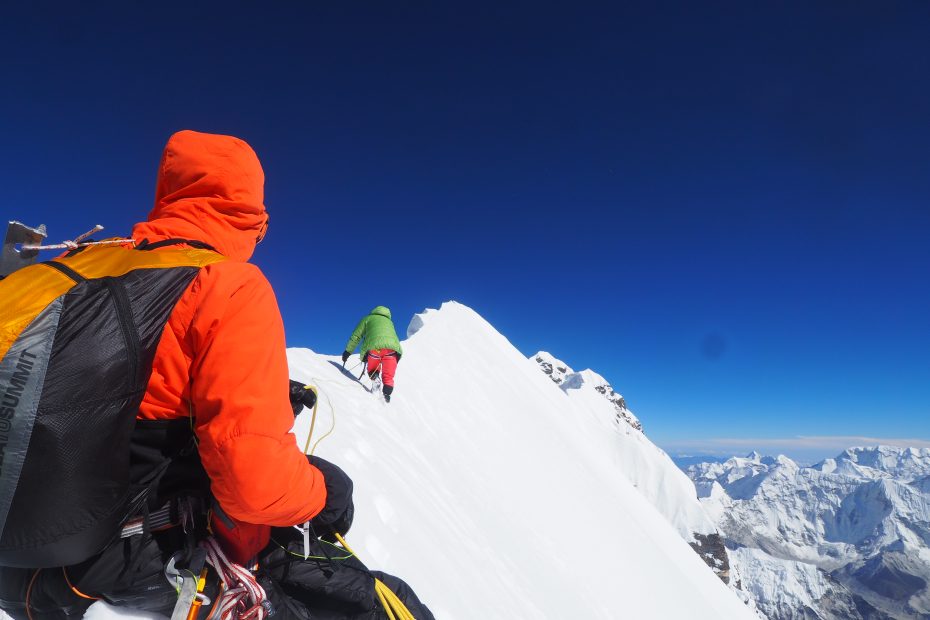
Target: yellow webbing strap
x=100 y=261
x=393 y=606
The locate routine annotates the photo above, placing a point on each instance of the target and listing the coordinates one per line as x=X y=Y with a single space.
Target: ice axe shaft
x=18 y=233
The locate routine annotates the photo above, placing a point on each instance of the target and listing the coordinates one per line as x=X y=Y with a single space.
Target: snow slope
x=639 y=461
x=495 y=496
x=642 y=463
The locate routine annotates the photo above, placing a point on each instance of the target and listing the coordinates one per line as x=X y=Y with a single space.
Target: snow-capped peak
x=901 y=463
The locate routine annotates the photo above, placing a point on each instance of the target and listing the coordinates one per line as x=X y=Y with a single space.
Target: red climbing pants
x=387 y=359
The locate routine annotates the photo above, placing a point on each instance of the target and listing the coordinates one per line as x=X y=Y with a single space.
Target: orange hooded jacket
x=222 y=357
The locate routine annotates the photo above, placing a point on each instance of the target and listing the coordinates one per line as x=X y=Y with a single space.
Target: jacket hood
x=382 y=310
x=210 y=188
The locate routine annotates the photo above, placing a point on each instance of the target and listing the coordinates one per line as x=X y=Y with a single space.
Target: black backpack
x=77 y=340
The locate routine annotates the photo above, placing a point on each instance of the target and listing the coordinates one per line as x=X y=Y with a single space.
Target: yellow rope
x=316 y=404
x=384 y=603
x=307 y=448
x=395 y=603
x=392 y=604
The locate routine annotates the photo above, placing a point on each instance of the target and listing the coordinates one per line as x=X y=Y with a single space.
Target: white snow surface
x=497 y=495
x=781 y=584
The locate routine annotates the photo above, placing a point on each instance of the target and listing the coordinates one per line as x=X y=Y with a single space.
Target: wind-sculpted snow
x=860 y=522
x=418 y=321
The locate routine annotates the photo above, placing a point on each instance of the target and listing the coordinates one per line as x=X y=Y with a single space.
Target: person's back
x=222 y=360
x=380 y=348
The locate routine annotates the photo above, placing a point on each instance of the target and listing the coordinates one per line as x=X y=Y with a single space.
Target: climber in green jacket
x=379 y=346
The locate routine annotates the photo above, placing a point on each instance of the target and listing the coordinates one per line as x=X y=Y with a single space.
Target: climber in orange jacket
x=222 y=355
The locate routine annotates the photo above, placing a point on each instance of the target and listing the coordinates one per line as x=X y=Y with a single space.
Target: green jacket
x=375 y=331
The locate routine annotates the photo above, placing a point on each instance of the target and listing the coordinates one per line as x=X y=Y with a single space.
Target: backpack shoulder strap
x=146 y=246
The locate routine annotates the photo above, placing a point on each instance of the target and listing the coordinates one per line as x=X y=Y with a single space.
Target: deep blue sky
x=723 y=208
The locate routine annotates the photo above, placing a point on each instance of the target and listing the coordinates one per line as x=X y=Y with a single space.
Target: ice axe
x=18 y=233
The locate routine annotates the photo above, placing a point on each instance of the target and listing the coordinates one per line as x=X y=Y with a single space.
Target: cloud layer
x=802 y=448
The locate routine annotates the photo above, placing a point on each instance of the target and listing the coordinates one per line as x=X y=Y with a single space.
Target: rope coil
x=74 y=244
x=242 y=597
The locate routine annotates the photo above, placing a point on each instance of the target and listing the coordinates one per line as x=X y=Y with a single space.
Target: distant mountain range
x=846 y=538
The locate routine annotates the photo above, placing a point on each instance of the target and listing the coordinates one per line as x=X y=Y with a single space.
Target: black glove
x=338 y=512
x=397 y=355
x=345 y=357
x=300 y=396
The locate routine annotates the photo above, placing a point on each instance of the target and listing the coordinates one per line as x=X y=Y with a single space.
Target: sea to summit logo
x=12 y=396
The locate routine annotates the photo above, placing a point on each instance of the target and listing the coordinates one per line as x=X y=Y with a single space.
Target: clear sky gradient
x=723 y=208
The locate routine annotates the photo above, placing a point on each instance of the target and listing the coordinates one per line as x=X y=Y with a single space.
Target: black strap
x=68 y=271
x=145 y=246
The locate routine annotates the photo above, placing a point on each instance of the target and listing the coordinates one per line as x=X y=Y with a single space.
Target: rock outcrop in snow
x=846 y=538
x=563 y=376
x=557 y=370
